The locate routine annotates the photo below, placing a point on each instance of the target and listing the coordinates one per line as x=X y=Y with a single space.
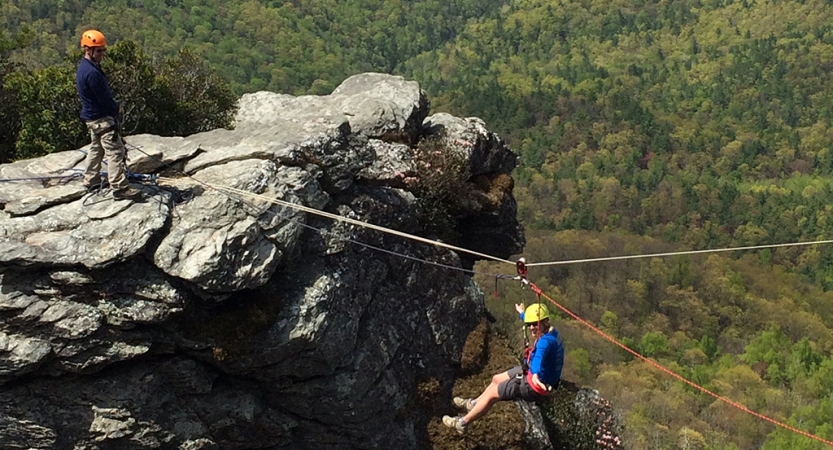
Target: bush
x=48 y=107
x=193 y=97
x=9 y=111
x=133 y=81
x=441 y=186
x=581 y=420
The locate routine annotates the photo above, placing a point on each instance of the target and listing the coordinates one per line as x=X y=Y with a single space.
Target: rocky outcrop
x=221 y=320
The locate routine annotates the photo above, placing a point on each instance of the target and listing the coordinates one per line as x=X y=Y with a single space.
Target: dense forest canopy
x=295 y=47
x=642 y=126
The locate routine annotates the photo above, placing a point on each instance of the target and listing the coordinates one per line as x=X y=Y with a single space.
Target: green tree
x=9 y=108
x=193 y=97
x=821 y=382
x=610 y=322
x=811 y=418
x=580 y=360
x=654 y=344
x=803 y=360
x=48 y=105
x=772 y=348
x=133 y=81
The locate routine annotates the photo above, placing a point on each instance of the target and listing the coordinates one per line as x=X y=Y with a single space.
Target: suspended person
x=100 y=112
x=533 y=383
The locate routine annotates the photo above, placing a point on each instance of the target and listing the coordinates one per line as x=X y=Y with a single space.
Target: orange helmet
x=93 y=38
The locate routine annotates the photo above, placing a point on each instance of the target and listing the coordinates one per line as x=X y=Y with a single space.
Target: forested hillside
x=643 y=126
x=742 y=326
x=296 y=47
x=700 y=123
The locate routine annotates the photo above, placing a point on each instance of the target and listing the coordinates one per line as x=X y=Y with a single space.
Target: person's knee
x=501 y=377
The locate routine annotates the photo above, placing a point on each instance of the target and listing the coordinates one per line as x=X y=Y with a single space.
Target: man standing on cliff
x=100 y=112
x=533 y=383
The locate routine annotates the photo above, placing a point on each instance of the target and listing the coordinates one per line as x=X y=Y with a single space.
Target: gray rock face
x=376 y=105
x=491 y=226
x=220 y=247
x=206 y=316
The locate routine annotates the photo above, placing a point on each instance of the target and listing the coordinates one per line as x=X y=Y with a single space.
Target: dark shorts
x=517 y=388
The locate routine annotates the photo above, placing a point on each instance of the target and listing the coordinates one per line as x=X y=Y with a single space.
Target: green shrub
x=9 y=111
x=441 y=186
x=48 y=106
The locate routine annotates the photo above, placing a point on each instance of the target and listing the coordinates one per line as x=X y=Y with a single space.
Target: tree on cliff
x=9 y=121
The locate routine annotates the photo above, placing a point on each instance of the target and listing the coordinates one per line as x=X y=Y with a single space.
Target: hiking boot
x=455 y=423
x=464 y=403
x=126 y=193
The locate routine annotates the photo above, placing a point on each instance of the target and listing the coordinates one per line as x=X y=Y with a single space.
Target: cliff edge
x=199 y=318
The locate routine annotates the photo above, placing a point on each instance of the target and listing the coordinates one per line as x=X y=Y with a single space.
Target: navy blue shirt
x=94 y=91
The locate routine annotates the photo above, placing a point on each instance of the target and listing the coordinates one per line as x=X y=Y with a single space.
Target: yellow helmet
x=536 y=312
x=93 y=38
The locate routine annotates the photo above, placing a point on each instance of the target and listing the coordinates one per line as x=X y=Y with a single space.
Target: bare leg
x=488 y=398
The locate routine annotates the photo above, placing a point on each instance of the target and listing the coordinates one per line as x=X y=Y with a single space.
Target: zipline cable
x=341 y=218
x=228 y=191
x=550 y=263
x=576 y=317
x=223 y=189
x=680 y=253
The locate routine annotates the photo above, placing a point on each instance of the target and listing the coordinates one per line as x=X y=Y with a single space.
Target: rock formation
x=231 y=322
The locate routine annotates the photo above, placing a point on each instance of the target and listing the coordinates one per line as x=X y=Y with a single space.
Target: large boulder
x=224 y=309
x=375 y=105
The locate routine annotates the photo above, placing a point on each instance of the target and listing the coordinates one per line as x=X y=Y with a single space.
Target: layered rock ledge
x=231 y=322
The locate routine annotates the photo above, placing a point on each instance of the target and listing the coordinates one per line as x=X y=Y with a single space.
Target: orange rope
x=538 y=291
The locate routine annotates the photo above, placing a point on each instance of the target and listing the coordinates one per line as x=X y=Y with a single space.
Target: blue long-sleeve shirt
x=94 y=91
x=547 y=358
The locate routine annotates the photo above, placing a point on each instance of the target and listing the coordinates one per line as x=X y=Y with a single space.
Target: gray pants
x=107 y=144
x=517 y=388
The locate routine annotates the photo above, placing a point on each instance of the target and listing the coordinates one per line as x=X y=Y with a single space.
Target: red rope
x=538 y=291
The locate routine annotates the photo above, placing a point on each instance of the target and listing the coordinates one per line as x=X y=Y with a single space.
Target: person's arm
x=103 y=95
x=548 y=359
x=535 y=367
x=537 y=356
x=541 y=349
x=519 y=307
